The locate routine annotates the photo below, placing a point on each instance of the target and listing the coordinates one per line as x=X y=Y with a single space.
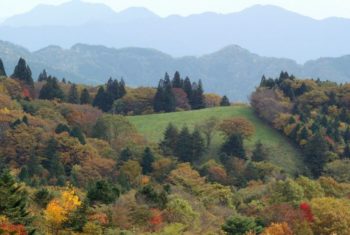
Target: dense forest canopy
x=72 y=162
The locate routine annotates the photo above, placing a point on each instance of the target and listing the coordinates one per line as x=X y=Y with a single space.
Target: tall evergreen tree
x=187 y=87
x=51 y=90
x=52 y=162
x=316 y=154
x=147 y=161
x=2 y=69
x=73 y=94
x=101 y=100
x=260 y=153
x=85 y=97
x=77 y=133
x=225 y=101
x=198 y=145
x=122 y=89
x=158 y=103
x=23 y=72
x=164 y=100
x=13 y=200
x=42 y=76
x=177 y=82
x=233 y=146
x=183 y=149
x=347 y=135
x=346 y=152
x=169 y=141
x=112 y=89
x=197 y=100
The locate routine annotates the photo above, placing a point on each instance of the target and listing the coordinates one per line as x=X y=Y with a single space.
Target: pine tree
x=169 y=141
x=85 y=97
x=234 y=146
x=347 y=135
x=2 y=69
x=122 y=89
x=260 y=153
x=101 y=100
x=23 y=72
x=197 y=99
x=304 y=134
x=187 y=87
x=52 y=162
x=13 y=200
x=42 y=76
x=34 y=165
x=147 y=161
x=316 y=154
x=124 y=156
x=24 y=175
x=112 y=90
x=346 y=152
x=183 y=149
x=169 y=98
x=51 y=90
x=198 y=145
x=225 y=101
x=62 y=128
x=177 y=82
x=77 y=133
x=73 y=94
x=158 y=103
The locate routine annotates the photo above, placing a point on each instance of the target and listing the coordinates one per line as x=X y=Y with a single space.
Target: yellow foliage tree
x=278 y=229
x=331 y=216
x=58 y=210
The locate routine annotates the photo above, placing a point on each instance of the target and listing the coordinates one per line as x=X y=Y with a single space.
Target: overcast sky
x=314 y=8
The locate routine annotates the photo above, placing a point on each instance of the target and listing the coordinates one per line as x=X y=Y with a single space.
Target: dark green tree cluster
x=2 y=69
x=233 y=147
x=147 y=161
x=85 y=97
x=42 y=76
x=13 y=200
x=225 y=101
x=73 y=95
x=106 y=97
x=74 y=132
x=241 y=225
x=187 y=146
x=153 y=197
x=23 y=73
x=51 y=90
x=103 y=191
x=164 y=100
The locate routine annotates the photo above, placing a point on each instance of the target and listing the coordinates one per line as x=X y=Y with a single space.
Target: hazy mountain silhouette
x=233 y=70
x=266 y=30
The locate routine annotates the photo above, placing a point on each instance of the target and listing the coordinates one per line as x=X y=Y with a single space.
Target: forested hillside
x=231 y=71
x=79 y=159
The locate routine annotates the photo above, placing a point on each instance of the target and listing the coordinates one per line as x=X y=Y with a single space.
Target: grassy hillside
x=282 y=152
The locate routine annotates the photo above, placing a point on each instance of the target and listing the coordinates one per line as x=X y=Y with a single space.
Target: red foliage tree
x=306 y=211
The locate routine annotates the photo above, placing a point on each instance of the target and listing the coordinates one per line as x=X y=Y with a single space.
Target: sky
x=317 y=9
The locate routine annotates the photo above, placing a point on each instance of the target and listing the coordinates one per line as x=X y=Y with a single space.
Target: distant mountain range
x=266 y=30
x=233 y=71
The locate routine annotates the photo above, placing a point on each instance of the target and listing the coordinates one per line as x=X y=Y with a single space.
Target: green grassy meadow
x=282 y=152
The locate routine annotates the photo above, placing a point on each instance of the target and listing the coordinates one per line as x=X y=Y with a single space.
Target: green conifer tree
x=51 y=90
x=85 y=97
x=73 y=95
x=233 y=146
x=2 y=69
x=23 y=72
x=147 y=161
x=13 y=200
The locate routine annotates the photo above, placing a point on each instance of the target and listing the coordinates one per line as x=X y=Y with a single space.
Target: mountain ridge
x=233 y=70
x=293 y=36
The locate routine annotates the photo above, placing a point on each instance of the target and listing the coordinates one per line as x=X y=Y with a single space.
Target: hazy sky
x=315 y=8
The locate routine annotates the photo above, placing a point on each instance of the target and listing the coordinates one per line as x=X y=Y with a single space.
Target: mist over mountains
x=233 y=71
x=266 y=30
